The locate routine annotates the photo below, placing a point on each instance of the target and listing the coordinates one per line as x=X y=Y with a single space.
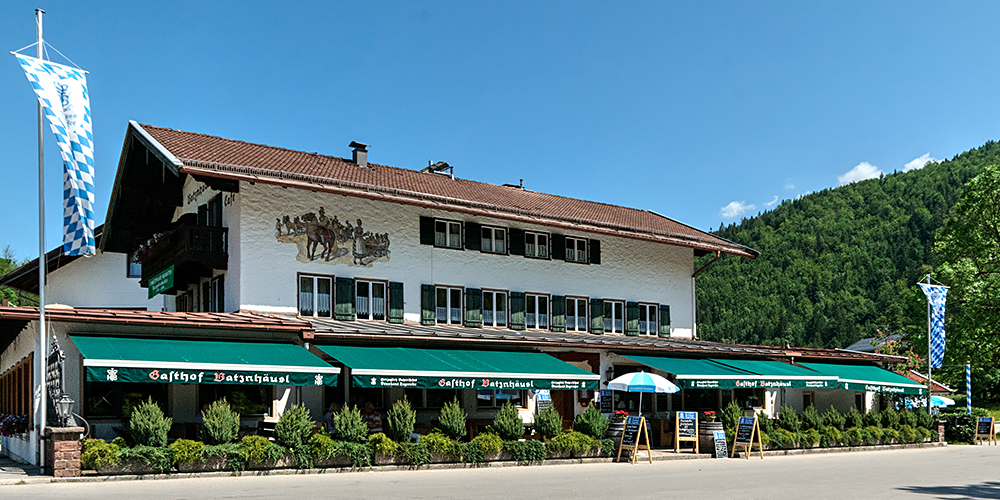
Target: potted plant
x=620 y=416
x=708 y=416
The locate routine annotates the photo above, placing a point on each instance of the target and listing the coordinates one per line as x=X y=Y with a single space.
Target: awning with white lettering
x=737 y=373
x=869 y=378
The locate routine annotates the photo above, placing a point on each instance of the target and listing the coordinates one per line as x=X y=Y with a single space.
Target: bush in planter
x=473 y=454
x=923 y=433
x=809 y=438
x=157 y=458
x=890 y=436
x=293 y=428
x=784 y=438
x=508 y=423
x=440 y=444
x=876 y=434
x=608 y=447
x=924 y=420
x=908 y=418
x=97 y=453
x=765 y=440
x=788 y=419
x=148 y=424
x=349 y=426
x=186 y=451
x=359 y=454
x=322 y=446
x=591 y=422
x=452 y=420
x=415 y=454
x=731 y=416
x=489 y=442
x=570 y=441
x=765 y=422
x=381 y=444
x=854 y=436
x=258 y=449
x=833 y=418
x=907 y=434
x=872 y=419
x=890 y=418
x=400 y=420
x=548 y=423
x=526 y=452
x=221 y=424
x=854 y=418
x=811 y=418
x=830 y=436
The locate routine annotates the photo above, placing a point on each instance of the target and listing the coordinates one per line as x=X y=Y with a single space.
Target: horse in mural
x=336 y=238
x=316 y=235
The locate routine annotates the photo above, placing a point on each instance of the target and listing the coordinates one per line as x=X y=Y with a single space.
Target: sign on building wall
x=320 y=238
x=161 y=282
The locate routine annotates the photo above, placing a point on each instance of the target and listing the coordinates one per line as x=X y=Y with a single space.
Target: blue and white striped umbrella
x=643 y=382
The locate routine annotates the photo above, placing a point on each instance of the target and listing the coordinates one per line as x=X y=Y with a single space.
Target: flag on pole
x=936 y=296
x=62 y=92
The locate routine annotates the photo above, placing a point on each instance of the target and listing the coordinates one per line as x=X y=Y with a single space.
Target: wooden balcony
x=194 y=251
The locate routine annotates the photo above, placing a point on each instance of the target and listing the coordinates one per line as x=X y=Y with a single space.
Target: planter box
x=128 y=467
x=334 y=461
x=591 y=453
x=381 y=459
x=497 y=456
x=442 y=458
x=285 y=462
x=210 y=464
x=557 y=454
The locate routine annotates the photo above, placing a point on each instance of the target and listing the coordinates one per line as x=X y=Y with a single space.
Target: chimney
x=360 y=153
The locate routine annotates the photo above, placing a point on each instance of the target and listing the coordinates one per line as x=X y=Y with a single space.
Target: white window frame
x=315 y=299
x=652 y=325
x=450 y=308
x=531 y=241
x=492 y=239
x=579 y=248
x=369 y=301
x=451 y=233
x=494 y=313
x=536 y=299
x=579 y=325
x=495 y=402
x=130 y=261
x=614 y=323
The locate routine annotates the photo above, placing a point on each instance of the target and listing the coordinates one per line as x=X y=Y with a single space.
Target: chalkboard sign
x=607 y=401
x=984 y=431
x=635 y=434
x=744 y=430
x=631 y=433
x=720 y=444
x=687 y=422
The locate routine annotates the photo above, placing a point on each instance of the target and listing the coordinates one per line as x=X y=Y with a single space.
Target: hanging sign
x=635 y=434
x=746 y=430
x=163 y=281
x=607 y=401
x=720 y=444
x=685 y=429
x=984 y=431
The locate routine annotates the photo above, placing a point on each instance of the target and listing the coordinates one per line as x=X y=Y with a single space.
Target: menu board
x=985 y=426
x=631 y=433
x=720 y=444
x=686 y=424
x=744 y=430
x=635 y=437
x=607 y=401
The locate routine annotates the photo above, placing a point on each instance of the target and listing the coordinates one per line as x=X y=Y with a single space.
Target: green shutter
x=428 y=305
x=631 y=318
x=558 y=247
x=558 y=313
x=395 y=302
x=595 y=251
x=473 y=236
x=517 y=309
x=597 y=316
x=426 y=230
x=516 y=241
x=664 y=320
x=473 y=308
x=344 y=307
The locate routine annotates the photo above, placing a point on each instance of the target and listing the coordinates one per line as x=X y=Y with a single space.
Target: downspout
x=694 y=316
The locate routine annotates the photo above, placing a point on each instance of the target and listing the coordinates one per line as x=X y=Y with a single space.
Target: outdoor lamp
x=64 y=408
x=608 y=375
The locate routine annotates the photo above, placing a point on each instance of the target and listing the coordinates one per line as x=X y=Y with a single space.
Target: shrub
x=788 y=420
x=257 y=449
x=908 y=418
x=508 y=423
x=322 y=446
x=784 y=438
x=923 y=433
x=149 y=425
x=442 y=445
x=571 y=441
x=526 y=452
x=853 y=418
x=186 y=451
x=811 y=418
x=473 y=453
x=293 y=428
x=872 y=419
x=453 y=420
x=415 y=454
x=221 y=424
x=608 y=447
x=120 y=442
x=489 y=442
x=854 y=436
x=830 y=436
x=890 y=418
x=876 y=434
x=890 y=436
x=382 y=444
x=548 y=423
x=833 y=418
x=97 y=453
x=731 y=415
x=924 y=419
x=907 y=434
x=591 y=422
x=765 y=440
x=809 y=438
x=154 y=457
x=400 y=420
x=348 y=426
x=765 y=422
x=360 y=454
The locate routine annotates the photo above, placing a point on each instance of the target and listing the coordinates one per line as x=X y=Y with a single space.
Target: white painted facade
x=100 y=281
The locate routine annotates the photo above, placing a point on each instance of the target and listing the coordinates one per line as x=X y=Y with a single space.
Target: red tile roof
x=227 y=158
x=219 y=321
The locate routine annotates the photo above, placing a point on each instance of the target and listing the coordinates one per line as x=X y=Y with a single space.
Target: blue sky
x=704 y=112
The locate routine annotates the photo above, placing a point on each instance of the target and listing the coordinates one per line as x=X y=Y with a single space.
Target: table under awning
x=132 y=360
x=736 y=374
x=458 y=369
x=869 y=378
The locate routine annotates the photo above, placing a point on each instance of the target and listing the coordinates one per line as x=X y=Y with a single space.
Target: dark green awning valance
x=869 y=378
x=736 y=374
x=113 y=359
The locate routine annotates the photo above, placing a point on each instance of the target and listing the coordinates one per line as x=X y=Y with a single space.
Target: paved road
x=957 y=472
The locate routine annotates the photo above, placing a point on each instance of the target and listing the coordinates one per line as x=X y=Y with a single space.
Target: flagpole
x=930 y=384
x=41 y=351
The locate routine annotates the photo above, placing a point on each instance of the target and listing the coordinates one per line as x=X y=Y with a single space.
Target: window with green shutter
x=597 y=316
x=428 y=302
x=473 y=231
x=426 y=230
x=631 y=318
x=517 y=311
x=473 y=308
x=664 y=320
x=559 y=247
x=558 y=313
x=395 y=302
x=595 y=251
x=343 y=308
x=516 y=241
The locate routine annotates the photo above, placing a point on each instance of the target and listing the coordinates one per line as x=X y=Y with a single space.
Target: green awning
x=868 y=378
x=736 y=374
x=113 y=359
x=458 y=369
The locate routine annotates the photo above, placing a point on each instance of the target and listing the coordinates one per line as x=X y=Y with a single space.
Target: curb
x=845 y=449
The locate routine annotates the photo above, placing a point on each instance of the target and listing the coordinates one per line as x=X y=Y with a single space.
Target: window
x=647 y=319
x=213 y=298
x=133 y=268
x=614 y=316
x=210 y=214
x=447 y=234
x=808 y=399
x=576 y=250
x=576 y=315
x=536 y=245
x=449 y=306
x=316 y=296
x=184 y=302
x=494 y=240
x=117 y=399
x=494 y=309
x=859 y=402
x=242 y=399
x=430 y=398
x=537 y=311
x=369 y=300
x=495 y=398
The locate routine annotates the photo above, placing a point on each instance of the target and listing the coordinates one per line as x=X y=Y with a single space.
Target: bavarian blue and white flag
x=62 y=91
x=936 y=296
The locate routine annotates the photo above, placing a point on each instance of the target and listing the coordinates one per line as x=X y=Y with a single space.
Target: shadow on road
x=983 y=490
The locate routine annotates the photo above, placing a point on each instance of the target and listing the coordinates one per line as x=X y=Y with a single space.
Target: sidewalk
x=12 y=472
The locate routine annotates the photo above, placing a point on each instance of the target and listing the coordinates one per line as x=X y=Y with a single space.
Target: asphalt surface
x=955 y=472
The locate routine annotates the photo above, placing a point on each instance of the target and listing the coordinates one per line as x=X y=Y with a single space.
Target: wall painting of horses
x=321 y=238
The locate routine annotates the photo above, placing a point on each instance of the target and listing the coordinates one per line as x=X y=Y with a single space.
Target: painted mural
x=321 y=238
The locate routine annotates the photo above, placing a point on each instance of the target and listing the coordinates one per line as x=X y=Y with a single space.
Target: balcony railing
x=197 y=249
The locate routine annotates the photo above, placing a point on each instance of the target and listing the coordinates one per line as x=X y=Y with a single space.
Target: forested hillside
x=837 y=264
